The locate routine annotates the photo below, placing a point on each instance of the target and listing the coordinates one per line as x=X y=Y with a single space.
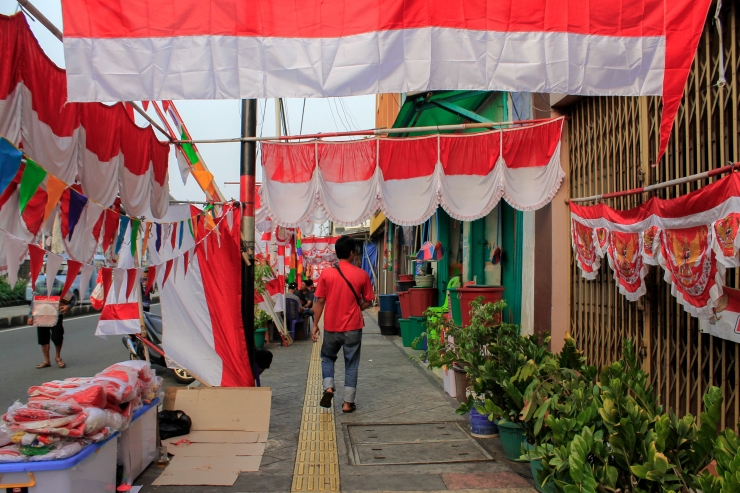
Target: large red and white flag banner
x=694 y=238
x=222 y=49
x=725 y=322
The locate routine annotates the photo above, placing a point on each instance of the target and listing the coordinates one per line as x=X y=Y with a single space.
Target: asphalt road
x=84 y=353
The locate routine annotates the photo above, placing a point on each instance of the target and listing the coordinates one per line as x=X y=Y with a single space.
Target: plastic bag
x=12 y=453
x=67 y=450
x=45 y=311
x=5 y=434
x=89 y=395
x=173 y=424
x=33 y=440
x=96 y=419
x=99 y=435
x=64 y=408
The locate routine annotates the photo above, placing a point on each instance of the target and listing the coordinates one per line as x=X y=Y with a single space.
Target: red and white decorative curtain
x=407 y=178
x=693 y=237
x=97 y=143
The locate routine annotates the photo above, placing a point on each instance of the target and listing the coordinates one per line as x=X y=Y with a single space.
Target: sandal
x=351 y=409
x=43 y=365
x=326 y=399
x=61 y=364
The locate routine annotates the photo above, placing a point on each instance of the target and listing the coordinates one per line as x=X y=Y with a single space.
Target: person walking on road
x=54 y=334
x=342 y=293
x=146 y=298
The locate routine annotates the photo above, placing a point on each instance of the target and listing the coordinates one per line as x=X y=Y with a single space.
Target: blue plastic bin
x=388 y=302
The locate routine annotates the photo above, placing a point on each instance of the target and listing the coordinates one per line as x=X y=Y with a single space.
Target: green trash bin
x=455 y=305
x=405 y=326
x=417 y=326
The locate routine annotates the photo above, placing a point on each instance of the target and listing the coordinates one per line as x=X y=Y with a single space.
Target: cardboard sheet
x=218 y=437
x=228 y=436
x=234 y=409
x=216 y=449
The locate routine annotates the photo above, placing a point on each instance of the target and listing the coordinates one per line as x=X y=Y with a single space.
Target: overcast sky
x=221 y=119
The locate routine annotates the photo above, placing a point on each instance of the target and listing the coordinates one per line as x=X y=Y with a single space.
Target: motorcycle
x=135 y=346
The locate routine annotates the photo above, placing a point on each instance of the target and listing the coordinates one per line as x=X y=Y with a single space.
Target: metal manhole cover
x=412 y=443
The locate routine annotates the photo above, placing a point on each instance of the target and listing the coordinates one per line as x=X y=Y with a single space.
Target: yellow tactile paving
x=316 y=463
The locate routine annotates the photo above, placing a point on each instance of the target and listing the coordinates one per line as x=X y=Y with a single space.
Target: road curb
x=19 y=320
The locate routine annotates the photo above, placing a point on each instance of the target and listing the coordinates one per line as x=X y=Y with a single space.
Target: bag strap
x=357 y=298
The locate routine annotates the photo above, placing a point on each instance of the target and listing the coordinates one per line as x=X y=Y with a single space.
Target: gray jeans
x=351 y=343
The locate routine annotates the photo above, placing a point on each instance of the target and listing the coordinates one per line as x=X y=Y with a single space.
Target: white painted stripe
x=229 y=67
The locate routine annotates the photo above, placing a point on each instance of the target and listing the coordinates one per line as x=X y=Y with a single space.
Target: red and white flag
x=726 y=320
x=120 y=314
x=231 y=49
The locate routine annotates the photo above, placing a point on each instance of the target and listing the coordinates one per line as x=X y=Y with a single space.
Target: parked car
x=78 y=294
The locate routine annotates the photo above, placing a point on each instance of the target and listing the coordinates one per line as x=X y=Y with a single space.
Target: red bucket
x=406 y=278
x=421 y=299
x=467 y=294
x=405 y=299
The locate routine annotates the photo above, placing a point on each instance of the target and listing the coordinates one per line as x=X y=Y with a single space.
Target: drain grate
x=412 y=443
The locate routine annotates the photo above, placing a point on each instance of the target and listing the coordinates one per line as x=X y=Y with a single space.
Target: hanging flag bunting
x=10 y=163
x=167 y=269
x=133 y=277
x=37 y=261
x=692 y=237
x=187 y=261
x=73 y=268
x=33 y=176
x=190 y=226
x=147 y=233
x=175 y=263
x=85 y=275
x=151 y=276
x=628 y=48
x=107 y=277
x=110 y=225
x=15 y=252
x=158 y=241
x=173 y=235
x=121 y=232
x=118 y=277
x=120 y=314
x=182 y=230
x=203 y=177
x=73 y=204
x=53 y=263
x=54 y=188
x=135 y=223
x=725 y=322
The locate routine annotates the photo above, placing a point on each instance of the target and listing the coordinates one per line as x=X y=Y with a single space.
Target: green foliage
x=727 y=455
x=16 y=293
x=261 y=318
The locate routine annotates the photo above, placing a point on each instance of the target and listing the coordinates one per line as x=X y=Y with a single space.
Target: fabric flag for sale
x=33 y=176
x=356 y=47
x=725 y=322
x=205 y=306
x=120 y=314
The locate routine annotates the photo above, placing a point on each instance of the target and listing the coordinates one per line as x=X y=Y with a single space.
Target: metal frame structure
x=612 y=143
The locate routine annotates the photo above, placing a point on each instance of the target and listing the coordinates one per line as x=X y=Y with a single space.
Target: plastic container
x=513 y=437
x=406 y=278
x=421 y=299
x=404 y=286
x=480 y=426
x=259 y=337
x=417 y=327
x=398 y=309
x=405 y=331
x=389 y=331
x=137 y=445
x=386 y=319
x=91 y=471
x=396 y=318
x=467 y=294
x=405 y=300
x=425 y=281
x=461 y=383
x=388 y=302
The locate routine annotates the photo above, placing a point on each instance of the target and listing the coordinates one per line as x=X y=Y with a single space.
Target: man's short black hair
x=292 y=285
x=344 y=247
x=308 y=282
x=263 y=358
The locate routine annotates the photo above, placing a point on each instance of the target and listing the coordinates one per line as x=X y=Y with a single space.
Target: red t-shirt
x=341 y=311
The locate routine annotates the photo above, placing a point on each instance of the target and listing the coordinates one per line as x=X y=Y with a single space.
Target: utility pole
x=247 y=199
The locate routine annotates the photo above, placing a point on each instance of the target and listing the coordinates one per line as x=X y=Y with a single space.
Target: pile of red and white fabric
x=63 y=416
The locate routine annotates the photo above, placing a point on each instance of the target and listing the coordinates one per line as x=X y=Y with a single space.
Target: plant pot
x=405 y=330
x=259 y=337
x=461 y=383
x=416 y=329
x=421 y=299
x=388 y=302
x=426 y=281
x=467 y=294
x=513 y=437
x=480 y=426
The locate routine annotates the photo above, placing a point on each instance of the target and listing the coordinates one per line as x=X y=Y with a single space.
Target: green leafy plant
x=727 y=456
x=12 y=294
x=261 y=318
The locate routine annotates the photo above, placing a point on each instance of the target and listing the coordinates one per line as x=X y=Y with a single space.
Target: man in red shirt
x=343 y=291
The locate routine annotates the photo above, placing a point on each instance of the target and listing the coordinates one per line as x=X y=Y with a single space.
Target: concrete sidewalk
x=392 y=388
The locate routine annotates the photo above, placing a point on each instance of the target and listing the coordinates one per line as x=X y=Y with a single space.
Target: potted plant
x=261 y=321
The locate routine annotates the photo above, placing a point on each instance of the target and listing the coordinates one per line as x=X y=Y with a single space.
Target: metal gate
x=613 y=141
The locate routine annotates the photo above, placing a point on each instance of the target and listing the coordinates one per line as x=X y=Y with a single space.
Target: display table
x=137 y=445
x=91 y=471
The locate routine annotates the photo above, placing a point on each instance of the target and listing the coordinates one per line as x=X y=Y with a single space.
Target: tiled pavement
x=391 y=389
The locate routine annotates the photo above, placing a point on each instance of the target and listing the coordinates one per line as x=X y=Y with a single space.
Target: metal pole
x=246 y=196
x=373 y=132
